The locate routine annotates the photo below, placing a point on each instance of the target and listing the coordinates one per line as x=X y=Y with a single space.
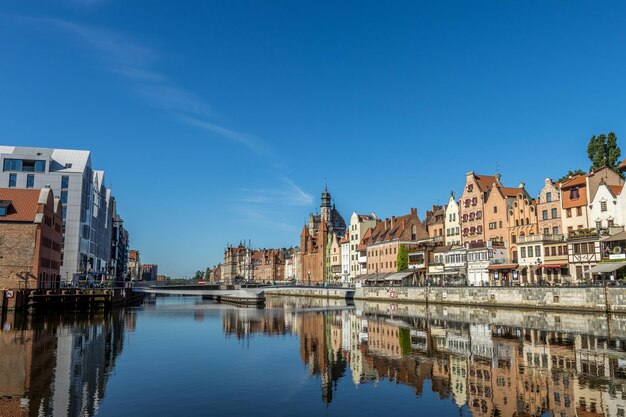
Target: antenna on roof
x=497 y=168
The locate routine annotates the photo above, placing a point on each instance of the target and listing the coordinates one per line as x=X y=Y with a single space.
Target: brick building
x=30 y=238
x=314 y=240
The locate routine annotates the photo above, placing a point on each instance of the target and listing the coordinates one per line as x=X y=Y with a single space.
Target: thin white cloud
x=121 y=54
x=244 y=139
x=258 y=217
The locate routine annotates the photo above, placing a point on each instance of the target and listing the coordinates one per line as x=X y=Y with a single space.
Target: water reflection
x=58 y=365
x=481 y=362
x=486 y=369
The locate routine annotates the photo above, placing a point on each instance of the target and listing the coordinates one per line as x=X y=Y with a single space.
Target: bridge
x=243 y=296
x=249 y=296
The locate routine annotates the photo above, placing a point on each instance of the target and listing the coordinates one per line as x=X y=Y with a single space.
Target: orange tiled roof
x=616 y=189
x=485 y=181
x=24 y=204
x=574 y=181
x=578 y=202
x=510 y=191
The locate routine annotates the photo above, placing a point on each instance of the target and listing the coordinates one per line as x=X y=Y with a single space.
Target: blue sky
x=221 y=121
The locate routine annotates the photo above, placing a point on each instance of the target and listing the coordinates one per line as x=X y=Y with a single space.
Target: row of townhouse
x=572 y=232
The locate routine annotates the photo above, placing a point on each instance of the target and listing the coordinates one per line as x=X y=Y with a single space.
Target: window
x=553 y=250
x=495 y=209
x=555 y=230
x=574 y=194
x=560 y=250
x=30 y=180
x=4 y=207
x=413 y=233
x=548 y=197
x=522 y=252
x=546 y=231
x=65 y=181
x=599 y=224
x=537 y=250
x=12 y=179
x=610 y=222
x=64 y=197
x=568 y=212
x=579 y=211
x=530 y=252
x=513 y=239
x=555 y=213
x=602 y=205
x=26 y=165
x=570 y=229
x=544 y=214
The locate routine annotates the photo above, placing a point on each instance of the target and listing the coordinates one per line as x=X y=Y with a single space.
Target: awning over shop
x=551 y=266
x=398 y=276
x=606 y=267
x=502 y=266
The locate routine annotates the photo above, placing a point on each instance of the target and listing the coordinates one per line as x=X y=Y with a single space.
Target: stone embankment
x=599 y=299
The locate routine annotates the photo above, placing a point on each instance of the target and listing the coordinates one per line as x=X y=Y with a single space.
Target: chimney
x=413 y=212
x=386 y=223
x=393 y=221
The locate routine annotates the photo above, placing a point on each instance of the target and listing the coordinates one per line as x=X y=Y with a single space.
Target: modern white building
x=480 y=258
x=359 y=223
x=87 y=212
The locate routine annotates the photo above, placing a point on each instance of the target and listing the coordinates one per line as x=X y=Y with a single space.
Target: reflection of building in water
x=26 y=366
x=50 y=367
x=533 y=372
x=562 y=376
x=316 y=350
x=244 y=322
x=359 y=367
x=86 y=354
x=458 y=379
x=504 y=376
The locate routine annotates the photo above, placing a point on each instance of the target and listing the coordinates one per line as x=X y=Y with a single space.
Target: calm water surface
x=188 y=357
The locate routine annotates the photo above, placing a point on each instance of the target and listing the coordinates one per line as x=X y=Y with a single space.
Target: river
x=182 y=356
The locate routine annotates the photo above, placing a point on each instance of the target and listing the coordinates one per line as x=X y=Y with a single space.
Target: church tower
x=326 y=206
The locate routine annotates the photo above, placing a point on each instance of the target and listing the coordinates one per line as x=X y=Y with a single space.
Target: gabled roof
x=511 y=191
x=24 y=204
x=616 y=189
x=577 y=180
x=485 y=181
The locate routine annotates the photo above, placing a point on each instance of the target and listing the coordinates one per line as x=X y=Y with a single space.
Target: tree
x=571 y=174
x=207 y=274
x=402 y=259
x=199 y=276
x=603 y=151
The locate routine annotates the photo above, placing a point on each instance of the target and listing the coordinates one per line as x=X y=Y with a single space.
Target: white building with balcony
x=482 y=256
x=87 y=208
x=359 y=224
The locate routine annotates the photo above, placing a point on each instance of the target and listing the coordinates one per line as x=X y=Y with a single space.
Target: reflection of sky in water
x=185 y=356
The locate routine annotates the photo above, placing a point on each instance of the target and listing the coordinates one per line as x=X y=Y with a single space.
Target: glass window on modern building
x=12 y=180
x=30 y=181
x=65 y=182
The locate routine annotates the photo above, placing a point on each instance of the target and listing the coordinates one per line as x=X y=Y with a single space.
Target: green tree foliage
x=404 y=339
x=402 y=259
x=199 y=276
x=571 y=174
x=603 y=151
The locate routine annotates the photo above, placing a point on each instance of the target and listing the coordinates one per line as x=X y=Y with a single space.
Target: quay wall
x=316 y=292
x=600 y=299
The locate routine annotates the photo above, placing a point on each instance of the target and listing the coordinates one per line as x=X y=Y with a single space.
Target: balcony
x=588 y=233
x=541 y=238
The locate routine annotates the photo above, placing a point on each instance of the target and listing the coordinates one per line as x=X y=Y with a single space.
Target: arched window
x=472 y=230
x=465 y=217
x=414 y=232
x=479 y=214
x=465 y=231
x=479 y=229
x=471 y=216
x=474 y=201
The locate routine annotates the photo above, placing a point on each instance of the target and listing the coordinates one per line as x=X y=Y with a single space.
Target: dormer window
x=4 y=207
x=573 y=193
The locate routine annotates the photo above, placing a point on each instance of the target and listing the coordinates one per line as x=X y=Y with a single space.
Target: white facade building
x=87 y=212
x=480 y=258
x=605 y=210
x=359 y=223
x=345 y=259
x=452 y=223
